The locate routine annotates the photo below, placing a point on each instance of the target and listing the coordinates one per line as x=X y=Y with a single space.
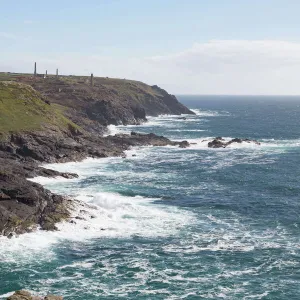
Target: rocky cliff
x=108 y=101
x=34 y=128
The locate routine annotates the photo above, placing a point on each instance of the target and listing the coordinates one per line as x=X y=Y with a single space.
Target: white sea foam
x=100 y=215
x=188 y=130
x=4 y=296
x=209 y=113
x=113 y=130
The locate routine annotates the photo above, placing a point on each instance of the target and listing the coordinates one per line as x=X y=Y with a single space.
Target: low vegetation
x=23 y=109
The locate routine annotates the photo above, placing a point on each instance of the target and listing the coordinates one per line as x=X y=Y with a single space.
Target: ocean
x=171 y=223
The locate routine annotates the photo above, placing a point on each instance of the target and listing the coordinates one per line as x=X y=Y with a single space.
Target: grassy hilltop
x=23 y=109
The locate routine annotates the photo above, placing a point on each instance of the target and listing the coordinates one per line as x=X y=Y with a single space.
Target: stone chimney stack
x=92 y=79
x=35 y=69
x=46 y=74
x=56 y=73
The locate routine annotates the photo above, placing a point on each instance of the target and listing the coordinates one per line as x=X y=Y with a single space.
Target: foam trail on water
x=209 y=113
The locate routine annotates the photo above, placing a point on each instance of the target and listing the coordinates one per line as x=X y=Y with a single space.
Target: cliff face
x=108 y=101
x=34 y=129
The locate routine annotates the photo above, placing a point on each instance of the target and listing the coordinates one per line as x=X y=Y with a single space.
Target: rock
x=10 y=235
x=53 y=297
x=20 y=295
x=236 y=140
x=25 y=295
x=216 y=143
x=3 y=196
x=69 y=175
x=184 y=144
x=219 y=142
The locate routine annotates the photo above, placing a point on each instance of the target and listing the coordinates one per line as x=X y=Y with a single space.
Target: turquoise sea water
x=174 y=223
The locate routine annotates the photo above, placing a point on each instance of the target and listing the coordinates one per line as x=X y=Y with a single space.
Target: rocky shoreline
x=63 y=119
x=61 y=122
x=25 y=205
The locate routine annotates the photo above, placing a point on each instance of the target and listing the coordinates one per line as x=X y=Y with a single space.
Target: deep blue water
x=172 y=223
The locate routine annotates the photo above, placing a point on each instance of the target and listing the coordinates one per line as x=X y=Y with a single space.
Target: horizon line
x=239 y=95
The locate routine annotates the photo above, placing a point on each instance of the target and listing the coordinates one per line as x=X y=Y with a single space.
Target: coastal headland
x=51 y=119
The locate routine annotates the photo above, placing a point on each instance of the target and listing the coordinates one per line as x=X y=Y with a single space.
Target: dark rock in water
x=182 y=118
x=184 y=144
x=236 y=140
x=69 y=175
x=219 y=142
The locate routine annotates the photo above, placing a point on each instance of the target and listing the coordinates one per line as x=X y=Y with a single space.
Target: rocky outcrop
x=25 y=295
x=108 y=101
x=25 y=205
x=34 y=130
x=219 y=142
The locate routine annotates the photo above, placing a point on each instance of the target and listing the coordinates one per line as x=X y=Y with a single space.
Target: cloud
x=234 y=55
x=213 y=67
x=234 y=67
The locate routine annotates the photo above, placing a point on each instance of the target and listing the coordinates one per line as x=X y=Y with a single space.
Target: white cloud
x=235 y=67
x=214 y=67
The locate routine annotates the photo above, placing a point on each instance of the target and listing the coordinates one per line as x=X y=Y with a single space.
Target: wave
x=100 y=215
x=188 y=130
x=210 y=113
x=114 y=129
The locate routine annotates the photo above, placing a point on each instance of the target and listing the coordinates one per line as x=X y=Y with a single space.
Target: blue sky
x=186 y=46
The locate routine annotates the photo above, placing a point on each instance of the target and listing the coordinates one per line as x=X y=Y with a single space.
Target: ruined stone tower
x=92 y=79
x=34 y=69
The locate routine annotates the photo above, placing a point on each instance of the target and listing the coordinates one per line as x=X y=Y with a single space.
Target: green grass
x=22 y=109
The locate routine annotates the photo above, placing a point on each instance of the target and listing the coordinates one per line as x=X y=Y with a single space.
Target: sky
x=233 y=47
